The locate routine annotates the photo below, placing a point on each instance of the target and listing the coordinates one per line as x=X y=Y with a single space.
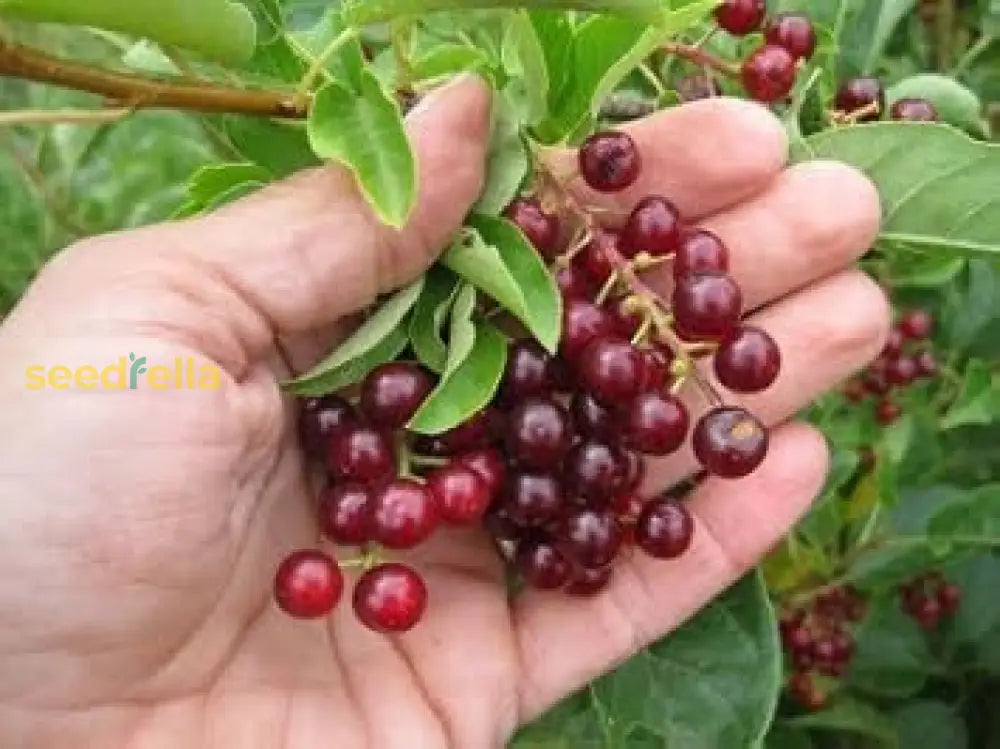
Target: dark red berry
x=320 y=418
x=854 y=391
x=393 y=392
x=730 y=442
x=769 y=73
x=541 y=228
x=914 y=110
x=403 y=515
x=595 y=470
x=361 y=453
x=748 y=361
x=588 y=582
x=656 y=423
x=876 y=384
x=308 y=584
x=950 y=598
x=627 y=506
x=591 y=537
x=532 y=499
x=707 y=306
x=794 y=32
x=700 y=251
x=927 y=365
x=610 y=161
x=741 y=17
x=538 y=433
x=901 y=371
x=627 y=321
x=654 y=227
x=574 y=283
x=612 y=370
x=916 y=325
x=843 y=646
x=893 y=348
x=927 y=611
x=461 y=495
x=582 y=323
x=664 y=529
x=858 y=93
x=799 y=640
x=345 y=513
x=800 y=685
x=529 y=371
x=598 y=256
x=636 y=471
x=474 y=433
x=823 y=651
x=390 y=598
x=490 y=466
x=887 y=412
x=802 y=660
x=592 y=419
x=541 y=564
x=657 y=362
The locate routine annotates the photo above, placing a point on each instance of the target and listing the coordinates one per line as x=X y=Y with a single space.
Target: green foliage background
x=933 y=499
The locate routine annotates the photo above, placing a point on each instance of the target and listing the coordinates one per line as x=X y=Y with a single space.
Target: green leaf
x=892 y=657
x=469 y=387
x=689 y=690
x=448 y=59
x=429 y=316
x=978 y=402
x=946 y=200
x=890 y=14
x=926 y=724
x=507 y=159
x=524 y=62
x=957 y=105
x=376 y=336
x=280 y=147
x=219 y=29
x=979 y=615
x=852 y=716
x=364 y=131
x=496 y=257
x=710 y=656
x=216 y=184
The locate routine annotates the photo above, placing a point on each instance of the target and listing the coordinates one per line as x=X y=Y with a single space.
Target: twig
x=701 y=58
x=141 y=92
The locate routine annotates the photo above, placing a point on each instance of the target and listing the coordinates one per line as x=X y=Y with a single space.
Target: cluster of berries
x=552 y=467
x=904 y=360
x=930 y=598
x=770 y=71
x=817 y=640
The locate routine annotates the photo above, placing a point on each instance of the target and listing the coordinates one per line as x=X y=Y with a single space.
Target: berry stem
x=853 y=118
x=700 y=57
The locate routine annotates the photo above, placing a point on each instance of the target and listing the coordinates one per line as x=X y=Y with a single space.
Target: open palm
x=139 y=529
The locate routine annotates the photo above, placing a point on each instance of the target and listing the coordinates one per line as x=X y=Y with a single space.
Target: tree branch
x=130 y=91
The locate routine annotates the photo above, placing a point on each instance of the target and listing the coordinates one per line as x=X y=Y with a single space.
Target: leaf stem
x=63 y=116
x=125 y=90
x=319 y=63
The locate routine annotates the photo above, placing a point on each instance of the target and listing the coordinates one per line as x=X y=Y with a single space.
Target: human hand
x=141 y=529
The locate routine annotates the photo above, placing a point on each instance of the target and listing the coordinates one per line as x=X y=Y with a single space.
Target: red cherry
x=730 y=442
x=589 y=582
x=490 y=466
x=769 y=73
x=794 y=32
x=392 y=393
x=612 y=370
x=748 y=361
x=858 y=93
x=308 y=584
x=403 y=515
x=610 y=161
x=582 y=323
x=461 y=495
x=741 y=17
x=321 y=418
x=390 y=598
x=654 y=227
x=657 y=423
x=664 y=529
x=345 y=513
x=700 y=251
x=917 y=325
x=914 y=110
x=361 y=453
x=707 y=306
x=541 y=228
x=541 y=564
x=598 y=257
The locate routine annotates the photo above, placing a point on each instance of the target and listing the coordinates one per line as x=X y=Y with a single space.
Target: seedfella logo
x=126 y=374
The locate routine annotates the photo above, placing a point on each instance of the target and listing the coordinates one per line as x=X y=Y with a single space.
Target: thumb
x=290 y=259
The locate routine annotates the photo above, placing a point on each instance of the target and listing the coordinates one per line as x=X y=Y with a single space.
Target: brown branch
x=702 y=58
x=140 y=92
